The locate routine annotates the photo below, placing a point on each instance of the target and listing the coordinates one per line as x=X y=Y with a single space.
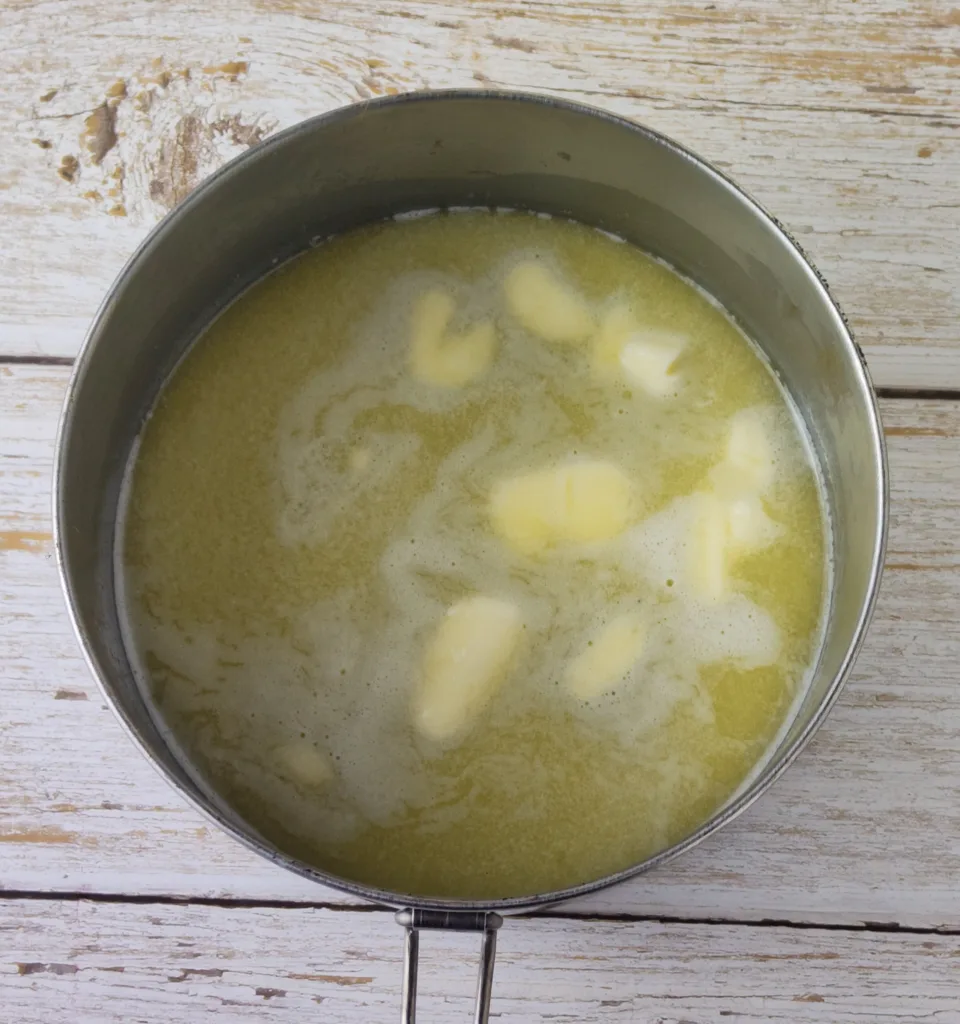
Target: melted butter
x=305 y=510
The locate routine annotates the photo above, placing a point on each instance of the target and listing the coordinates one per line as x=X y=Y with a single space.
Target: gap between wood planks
x=926 y=394
x=556 y=913
x=38 y=360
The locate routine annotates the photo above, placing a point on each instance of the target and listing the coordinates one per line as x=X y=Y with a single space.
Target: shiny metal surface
x=411 y=971
x=413 y=921
x=376 y=159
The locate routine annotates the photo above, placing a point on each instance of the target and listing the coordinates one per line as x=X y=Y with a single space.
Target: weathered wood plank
x=861 y=829
x=64 y=962
x=843 y=122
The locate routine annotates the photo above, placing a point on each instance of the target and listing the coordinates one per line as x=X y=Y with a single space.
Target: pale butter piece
x=604 y=663
x=616 y=326
x=572 y=503
x=732 y=520
x=708 y=548
x=442 y=359
x=546 y=306
x=647 y=358
x=750 y=528
x=750 y=452
x=723 y=530
x=464 y=665
x=304 y=764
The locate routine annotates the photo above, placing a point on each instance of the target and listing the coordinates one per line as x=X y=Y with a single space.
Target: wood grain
x=862 y=829
x=64 y=962
x=844 y=122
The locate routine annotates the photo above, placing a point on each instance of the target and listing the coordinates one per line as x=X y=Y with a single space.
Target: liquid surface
x=474 y=555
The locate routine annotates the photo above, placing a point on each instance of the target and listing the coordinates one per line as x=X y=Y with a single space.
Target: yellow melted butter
x=303 y=511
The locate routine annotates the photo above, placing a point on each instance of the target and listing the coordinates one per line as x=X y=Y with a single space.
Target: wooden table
x=837 y=898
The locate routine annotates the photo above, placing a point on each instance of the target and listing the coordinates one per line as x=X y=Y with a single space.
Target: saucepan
x=447 y=149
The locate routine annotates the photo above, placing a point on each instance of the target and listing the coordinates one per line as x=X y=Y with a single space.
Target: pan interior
x=308 y=502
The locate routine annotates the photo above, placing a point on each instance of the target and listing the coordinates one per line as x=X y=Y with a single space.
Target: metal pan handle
x=454 y=920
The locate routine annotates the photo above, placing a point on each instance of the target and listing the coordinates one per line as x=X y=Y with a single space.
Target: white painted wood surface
x=177 y=965
x=842 y=117
x=865 y=828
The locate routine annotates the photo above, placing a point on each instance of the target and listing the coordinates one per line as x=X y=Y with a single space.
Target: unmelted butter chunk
x=546 y=305
x=648 y=358
x=708 y=548
x=464 y=664
x=302 y=763
x=749 y=462
x=571 y=503
x=751 y=529
x=642 y=355
x=722 y=531
x=443 y=359
x=616 y=326
x=731 y=520
x=607 y=658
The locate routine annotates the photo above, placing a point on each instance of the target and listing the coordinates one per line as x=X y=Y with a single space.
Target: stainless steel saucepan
x=373 y=160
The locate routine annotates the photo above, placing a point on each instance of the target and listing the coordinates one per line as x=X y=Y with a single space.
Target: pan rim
x=774 y=767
